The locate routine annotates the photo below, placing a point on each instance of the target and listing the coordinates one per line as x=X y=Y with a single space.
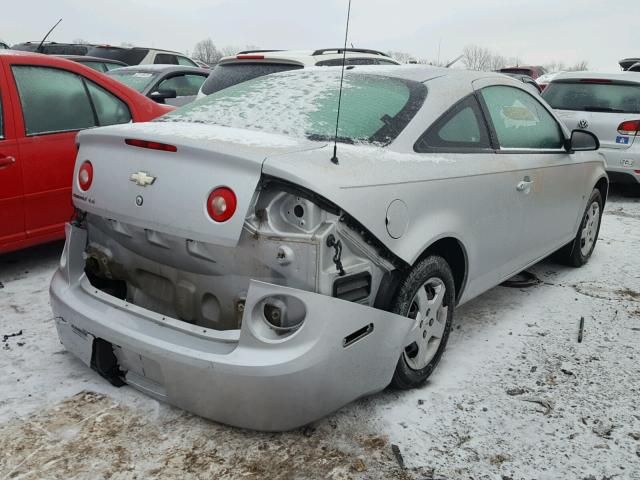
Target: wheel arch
x=453 y=251
x=603 y=186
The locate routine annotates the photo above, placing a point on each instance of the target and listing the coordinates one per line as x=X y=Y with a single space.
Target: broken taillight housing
x=221 y=204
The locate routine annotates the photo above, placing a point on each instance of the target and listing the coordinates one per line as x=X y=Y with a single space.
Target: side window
x=165 y=58
x=184 y=85
x=110 y=110
x=520 y=121
x=462 y=127
x=186 y=61
x=52 y=100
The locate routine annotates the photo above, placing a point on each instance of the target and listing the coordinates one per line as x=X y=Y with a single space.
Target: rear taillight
x=630 y=127
x=221 y=204
x=85 y=175
x=152 y=145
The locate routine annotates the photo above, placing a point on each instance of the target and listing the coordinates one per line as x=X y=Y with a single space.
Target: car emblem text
x=142 y=179
x=583 y=124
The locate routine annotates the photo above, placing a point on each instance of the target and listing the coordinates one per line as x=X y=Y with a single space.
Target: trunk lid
x=206 y=157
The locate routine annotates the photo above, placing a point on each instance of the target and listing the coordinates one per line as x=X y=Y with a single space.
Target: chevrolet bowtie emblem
x=142 y=179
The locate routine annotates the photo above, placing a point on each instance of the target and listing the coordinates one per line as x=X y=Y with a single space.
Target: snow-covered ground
x=515 y=397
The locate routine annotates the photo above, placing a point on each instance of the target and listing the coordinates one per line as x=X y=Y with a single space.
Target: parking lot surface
x=515 y=396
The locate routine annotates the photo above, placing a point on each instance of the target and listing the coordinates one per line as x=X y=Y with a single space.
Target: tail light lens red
x=221 y=204
x=630 y=127
x=85 y=175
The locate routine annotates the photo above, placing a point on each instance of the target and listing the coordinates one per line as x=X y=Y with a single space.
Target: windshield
x=595 y=97
x=134 y=79
x=228 y=74
x=375 y=109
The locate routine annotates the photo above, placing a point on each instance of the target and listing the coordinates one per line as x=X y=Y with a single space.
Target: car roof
x=114 y=47
x=77 y=58
x=620 y=76
x=306 y=57
x=163 y=68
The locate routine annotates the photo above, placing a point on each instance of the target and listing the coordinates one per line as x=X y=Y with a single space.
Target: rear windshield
x=375 y=109
x=134 y=79
x=518 y=71
x=130 y=56
x=229 y=74
x=593 y=97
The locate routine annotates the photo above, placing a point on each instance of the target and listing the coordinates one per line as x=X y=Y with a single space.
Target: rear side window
x=229 y=74
x=521 y=121
x=184 y=85
x=462 y=127
x=109 y=109
x=52 y=100
x=77 y=102
x=166 y=59
x=593 y=97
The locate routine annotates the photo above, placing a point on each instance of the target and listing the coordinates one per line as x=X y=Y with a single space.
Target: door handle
x=524 y=185
x=6 y=161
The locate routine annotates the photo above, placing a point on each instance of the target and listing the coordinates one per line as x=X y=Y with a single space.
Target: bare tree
x=229 y=50
x=579 y=67
x=402 y=57
x=206 y=51
x=476 y=57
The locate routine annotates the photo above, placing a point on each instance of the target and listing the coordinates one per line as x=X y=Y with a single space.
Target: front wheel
x=579 y=251
x=427 y=295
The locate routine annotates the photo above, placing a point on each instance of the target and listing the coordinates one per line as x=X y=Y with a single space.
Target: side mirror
x=582 y=141
x=163 y=94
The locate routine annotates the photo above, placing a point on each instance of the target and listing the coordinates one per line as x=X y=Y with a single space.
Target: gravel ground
x=515 y=396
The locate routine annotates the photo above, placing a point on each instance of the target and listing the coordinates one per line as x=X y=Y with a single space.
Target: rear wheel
x=427 y=295
x=579 y=251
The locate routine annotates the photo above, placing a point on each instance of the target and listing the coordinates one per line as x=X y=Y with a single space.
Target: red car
x=44 y=102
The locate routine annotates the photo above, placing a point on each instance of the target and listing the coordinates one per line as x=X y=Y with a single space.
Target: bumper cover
x=622 y=164
x=244 y=378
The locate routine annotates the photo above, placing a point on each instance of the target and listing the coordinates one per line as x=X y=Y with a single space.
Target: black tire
x=406 y=377
x=572 y=254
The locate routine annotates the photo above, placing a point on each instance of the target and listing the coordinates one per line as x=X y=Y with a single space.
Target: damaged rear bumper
x=248 y=377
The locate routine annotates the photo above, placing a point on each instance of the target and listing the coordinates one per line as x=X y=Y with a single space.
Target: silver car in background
x=609 y=106
x=223 y=259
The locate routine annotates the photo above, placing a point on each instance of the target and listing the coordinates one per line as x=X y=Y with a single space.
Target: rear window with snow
x=135 y=79
x=593 y=97
x=228 y=74
x=375 y=108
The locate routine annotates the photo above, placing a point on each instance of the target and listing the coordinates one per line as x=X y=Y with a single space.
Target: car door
x=186 y=87
x=11 y=191
x=54 y=105
x=548 y=179
x=480 y=189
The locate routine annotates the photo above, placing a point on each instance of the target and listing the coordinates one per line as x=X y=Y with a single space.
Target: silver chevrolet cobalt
x=224 y=260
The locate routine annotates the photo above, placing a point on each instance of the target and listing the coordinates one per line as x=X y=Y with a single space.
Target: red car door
x=11 y=192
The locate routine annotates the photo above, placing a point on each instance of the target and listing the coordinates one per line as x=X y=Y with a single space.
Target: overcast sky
x=537 y=32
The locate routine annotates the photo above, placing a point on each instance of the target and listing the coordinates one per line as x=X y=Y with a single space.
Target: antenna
x=334 y=159
x=39 y=49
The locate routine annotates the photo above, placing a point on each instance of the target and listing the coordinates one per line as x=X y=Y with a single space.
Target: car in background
x=53 y=48
x=141 y=56
x=527 y=80
x=226 y=259
x=607 y=105
x=170 y=84
x=101 y=65
x=544 y=80
x=251 y=64
x=202 y=64
x=4 y=46
x=533 y=71
x=44 y=102
x=630 y=64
